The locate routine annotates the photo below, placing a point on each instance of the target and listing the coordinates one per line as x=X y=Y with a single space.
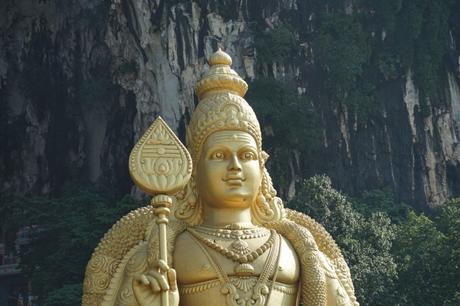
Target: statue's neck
x=221 y=217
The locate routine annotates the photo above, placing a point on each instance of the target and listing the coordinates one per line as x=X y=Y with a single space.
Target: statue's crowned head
x=222 y=109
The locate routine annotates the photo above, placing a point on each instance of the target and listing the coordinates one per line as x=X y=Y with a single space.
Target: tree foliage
x=396 y=256
x=427 y=253
x=342 y=49
x=381 y=200
x=365 y=242
x=275 y=45
x=70 y=227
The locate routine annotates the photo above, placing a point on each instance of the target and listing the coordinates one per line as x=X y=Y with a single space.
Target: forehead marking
x=230 y=136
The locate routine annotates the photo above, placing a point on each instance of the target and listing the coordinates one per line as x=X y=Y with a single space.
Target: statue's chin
x=228 y=197
x=232 y=200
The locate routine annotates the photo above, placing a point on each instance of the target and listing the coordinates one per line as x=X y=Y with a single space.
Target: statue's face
x=228 y=171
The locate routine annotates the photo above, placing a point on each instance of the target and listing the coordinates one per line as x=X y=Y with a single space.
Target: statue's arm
x=337 y=295
x=338 y=276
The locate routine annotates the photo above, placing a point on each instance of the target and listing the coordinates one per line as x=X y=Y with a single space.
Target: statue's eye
x=248 y=156
x=217 y=155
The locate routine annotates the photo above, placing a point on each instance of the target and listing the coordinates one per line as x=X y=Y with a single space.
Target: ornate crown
x=222 y=106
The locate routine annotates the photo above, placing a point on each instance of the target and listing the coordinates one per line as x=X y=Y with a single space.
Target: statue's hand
x=148 y=287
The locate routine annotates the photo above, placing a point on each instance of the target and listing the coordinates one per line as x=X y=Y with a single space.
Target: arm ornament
x=322 y=264
x=327 y=245
x=325 y=252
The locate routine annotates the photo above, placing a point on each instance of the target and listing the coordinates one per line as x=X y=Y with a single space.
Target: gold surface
x=231 y=242
x=159 y=162
x=220 y=78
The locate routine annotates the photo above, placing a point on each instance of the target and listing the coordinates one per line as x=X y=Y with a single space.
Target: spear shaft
x=162 y=203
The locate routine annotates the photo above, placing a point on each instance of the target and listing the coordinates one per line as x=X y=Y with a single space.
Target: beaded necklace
x=233 y=234
x=242 y=256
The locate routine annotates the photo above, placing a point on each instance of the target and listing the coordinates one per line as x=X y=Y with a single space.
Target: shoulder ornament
x=329 y=248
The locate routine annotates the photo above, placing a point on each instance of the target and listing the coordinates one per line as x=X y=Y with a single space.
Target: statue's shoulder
x=323 y=239
x=312 y=235
x=117 y=243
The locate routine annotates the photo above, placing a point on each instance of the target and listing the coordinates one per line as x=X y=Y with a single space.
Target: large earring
x=189 y=208
x=263 y=159
x=267 y=207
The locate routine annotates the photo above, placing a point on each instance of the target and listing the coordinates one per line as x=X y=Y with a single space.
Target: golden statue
x=229 y=240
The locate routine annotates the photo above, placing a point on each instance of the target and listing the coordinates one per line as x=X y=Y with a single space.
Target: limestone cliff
x=80 y=80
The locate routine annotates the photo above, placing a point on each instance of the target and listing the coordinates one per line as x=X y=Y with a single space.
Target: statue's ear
x=264 y=156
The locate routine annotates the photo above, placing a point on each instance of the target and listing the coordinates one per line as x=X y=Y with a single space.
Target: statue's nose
x=234 y=164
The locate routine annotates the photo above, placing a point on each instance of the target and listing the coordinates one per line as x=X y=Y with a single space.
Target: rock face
x=81 y=80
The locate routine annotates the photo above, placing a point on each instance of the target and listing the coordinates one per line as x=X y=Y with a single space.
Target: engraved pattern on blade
x=159 y=162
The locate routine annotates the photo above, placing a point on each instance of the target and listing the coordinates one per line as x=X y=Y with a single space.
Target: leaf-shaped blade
x=159 y=162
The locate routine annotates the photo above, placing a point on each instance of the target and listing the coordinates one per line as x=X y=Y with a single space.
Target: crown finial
x=220 y=58
x=220 y=78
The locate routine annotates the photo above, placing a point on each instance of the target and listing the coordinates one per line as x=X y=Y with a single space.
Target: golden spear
x=160 y=165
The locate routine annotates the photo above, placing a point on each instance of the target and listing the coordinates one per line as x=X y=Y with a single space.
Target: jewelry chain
x=234 y=234
x=253 y=255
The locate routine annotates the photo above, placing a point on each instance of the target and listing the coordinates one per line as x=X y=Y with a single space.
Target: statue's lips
x=234 y=181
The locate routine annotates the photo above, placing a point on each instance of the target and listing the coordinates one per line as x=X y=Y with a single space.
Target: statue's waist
x=243 y=291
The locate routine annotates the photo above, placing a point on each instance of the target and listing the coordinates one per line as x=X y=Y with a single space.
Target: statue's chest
x=195 y=263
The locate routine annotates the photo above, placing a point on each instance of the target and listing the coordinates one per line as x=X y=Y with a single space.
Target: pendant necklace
x=238 y=251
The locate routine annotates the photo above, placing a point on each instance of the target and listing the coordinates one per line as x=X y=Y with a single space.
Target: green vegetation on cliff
x=356 y=46
x=292 y=130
